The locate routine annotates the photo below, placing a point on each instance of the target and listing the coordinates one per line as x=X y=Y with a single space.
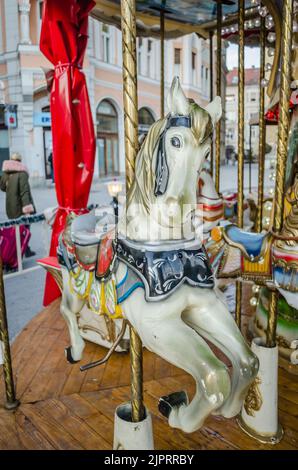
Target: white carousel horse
x=171 y=301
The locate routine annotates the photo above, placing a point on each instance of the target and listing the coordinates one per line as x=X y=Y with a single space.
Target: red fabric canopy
x=63 y=41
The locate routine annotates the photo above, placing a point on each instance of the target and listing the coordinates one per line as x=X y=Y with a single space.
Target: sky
x=251 y=54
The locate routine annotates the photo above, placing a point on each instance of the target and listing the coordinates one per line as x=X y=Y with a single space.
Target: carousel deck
x=63 y=408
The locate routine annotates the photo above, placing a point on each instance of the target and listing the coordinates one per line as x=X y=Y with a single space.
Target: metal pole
x=241 y=15
x=211 y=95
x=162 y=64
x=250 y=160
x=282 y=148
x=128 y=26
x=19 y=247
x=11 y=401
x=262 y=129
x=218 y=92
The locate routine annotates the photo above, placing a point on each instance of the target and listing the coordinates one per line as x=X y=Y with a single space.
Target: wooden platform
x=63 y=408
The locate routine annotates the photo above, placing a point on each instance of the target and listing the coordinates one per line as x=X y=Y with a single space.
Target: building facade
x=251 y=112
x=25 y=120
x=251 y=108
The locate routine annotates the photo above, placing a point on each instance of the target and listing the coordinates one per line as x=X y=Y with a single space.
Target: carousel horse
x=151 y=270
x=268 y=259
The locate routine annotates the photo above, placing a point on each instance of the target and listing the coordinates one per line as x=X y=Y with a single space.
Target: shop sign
x=42 y=119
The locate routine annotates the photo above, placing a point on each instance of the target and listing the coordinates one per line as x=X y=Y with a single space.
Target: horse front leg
x=180 y=345
x=210 y=318
x=70 y=307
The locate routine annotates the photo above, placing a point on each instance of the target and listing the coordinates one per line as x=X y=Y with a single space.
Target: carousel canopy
x=181 y=16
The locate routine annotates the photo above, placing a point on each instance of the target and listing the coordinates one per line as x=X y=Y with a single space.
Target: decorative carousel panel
x=181 y=16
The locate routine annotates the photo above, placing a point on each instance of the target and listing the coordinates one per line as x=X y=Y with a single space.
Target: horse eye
x=175 y=141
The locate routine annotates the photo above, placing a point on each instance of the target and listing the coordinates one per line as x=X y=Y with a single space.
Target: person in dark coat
x=15 y=182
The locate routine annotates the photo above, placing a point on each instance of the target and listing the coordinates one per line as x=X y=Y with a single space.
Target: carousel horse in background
x=268 y=259
x=151 y=270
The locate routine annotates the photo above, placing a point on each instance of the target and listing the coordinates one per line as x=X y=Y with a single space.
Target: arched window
x=107 y=138
x=146 y=119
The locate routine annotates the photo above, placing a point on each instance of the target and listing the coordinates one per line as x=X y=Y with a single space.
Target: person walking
x=15 y=183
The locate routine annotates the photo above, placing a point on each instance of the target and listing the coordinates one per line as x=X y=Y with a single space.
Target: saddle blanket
x=163 y=271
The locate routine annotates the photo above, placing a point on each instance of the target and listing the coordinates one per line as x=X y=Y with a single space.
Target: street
x=24 y=291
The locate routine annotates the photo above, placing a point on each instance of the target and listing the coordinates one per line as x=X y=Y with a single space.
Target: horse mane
x=142 y=189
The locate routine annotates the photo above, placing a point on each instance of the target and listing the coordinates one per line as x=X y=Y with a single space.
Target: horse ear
x=176 y=100
x=215 y=109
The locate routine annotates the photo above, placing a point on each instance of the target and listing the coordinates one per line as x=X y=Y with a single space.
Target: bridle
x=162 y=169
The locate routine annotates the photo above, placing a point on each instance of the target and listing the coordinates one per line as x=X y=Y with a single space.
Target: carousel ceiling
x=181 y=16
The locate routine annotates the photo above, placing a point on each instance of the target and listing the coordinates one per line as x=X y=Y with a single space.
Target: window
x=106 y=42
x=40 y=8
x=140 y=47
x=107 y=139
x=145 y=119
x=235 y=80
x=177 y=62
x=193 y=66
x=253 y=96
x=149 y=58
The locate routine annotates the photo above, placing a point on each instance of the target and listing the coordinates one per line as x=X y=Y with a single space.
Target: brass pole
x=282 y=148
x=130 y=98
x=262 y=129
x=211 y=95
x=130 y=101
x=162 y=64
x=11 y=401
x=218 y=92
x=241 y=15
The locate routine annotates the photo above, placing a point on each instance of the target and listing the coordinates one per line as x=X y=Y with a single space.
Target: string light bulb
x=271 y=37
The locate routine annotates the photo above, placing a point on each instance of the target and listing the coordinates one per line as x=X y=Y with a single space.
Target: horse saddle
x=87 y=238
x=252 y=245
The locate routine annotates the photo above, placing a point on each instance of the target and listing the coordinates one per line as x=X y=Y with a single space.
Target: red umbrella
x=63 y=41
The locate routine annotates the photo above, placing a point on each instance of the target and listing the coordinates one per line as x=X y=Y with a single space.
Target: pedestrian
x=50 y=160
x=15 y=183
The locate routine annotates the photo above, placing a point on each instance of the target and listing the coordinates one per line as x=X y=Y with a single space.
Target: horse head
x=168 y=164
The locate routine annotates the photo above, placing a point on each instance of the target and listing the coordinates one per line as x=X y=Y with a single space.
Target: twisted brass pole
x=262 y=129
x=130 y=99
x=11 y=401
x=162 y=64
x=282 y=148
x=218 y=92
x=128 y=26
x=211 y=95
x=241 y=15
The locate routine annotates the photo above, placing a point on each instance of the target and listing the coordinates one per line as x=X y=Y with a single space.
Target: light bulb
x=264 y=82
x=255 y=289
x=271 y=37
x=233 y=29
x=251 y=24
x=268 y=67
x=271 y=52
x=295 y=27
x=269 y=25
x=263 y=11
x=246 y=24
x=255 y=2
x=253 y=301
x=257 y=22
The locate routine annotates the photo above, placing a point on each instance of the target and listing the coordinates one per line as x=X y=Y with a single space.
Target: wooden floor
x=63 y=408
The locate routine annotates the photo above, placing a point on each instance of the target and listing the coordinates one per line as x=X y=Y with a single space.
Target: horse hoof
x=168 y=402
x=68 y=356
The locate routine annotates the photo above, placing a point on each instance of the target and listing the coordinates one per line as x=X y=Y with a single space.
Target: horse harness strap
x=162 y=169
